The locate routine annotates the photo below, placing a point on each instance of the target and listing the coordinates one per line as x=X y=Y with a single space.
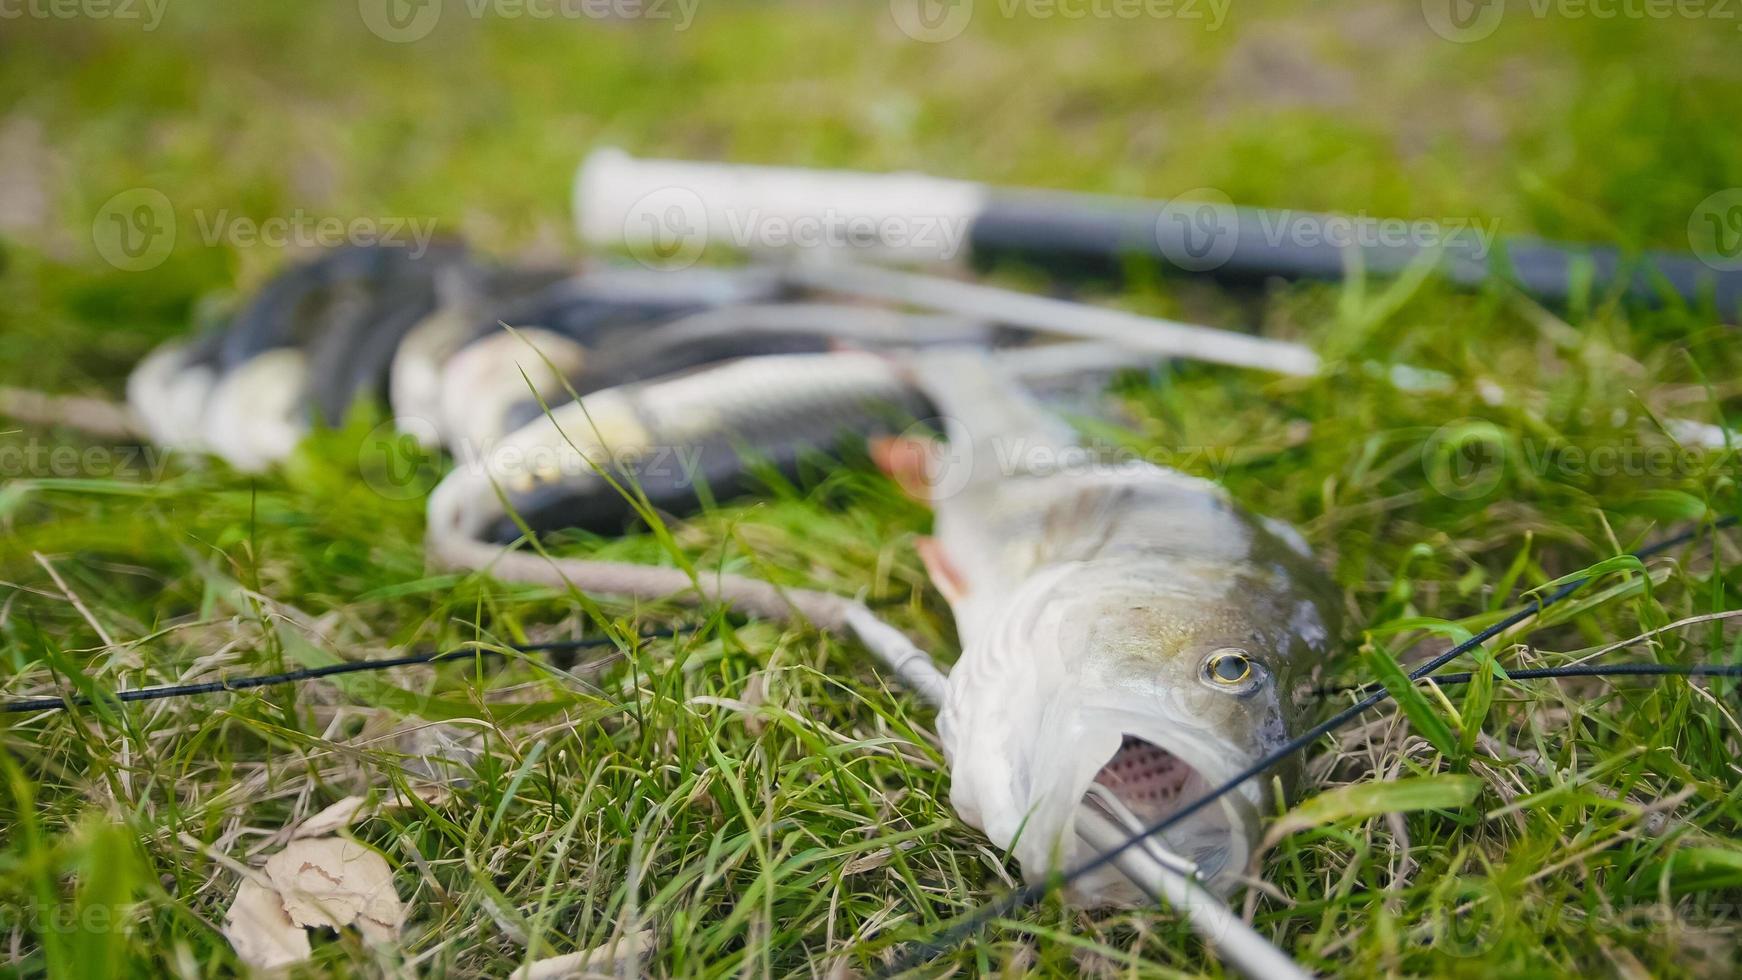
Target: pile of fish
x=1133 y=640
x=1131 y=636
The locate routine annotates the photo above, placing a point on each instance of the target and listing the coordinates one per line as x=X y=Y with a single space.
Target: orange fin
x=943 y=572
x=907 y=460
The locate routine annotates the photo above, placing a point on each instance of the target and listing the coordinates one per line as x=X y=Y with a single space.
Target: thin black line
x=28 y=705
x=1570 y=670
x=1018 y=897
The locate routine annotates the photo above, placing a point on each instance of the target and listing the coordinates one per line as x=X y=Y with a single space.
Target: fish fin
x=1289 y=535
x=907 y=461
x=982 y=406
x=943 y=572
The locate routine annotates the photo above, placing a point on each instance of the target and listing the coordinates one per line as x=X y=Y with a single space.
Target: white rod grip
x=667 y=211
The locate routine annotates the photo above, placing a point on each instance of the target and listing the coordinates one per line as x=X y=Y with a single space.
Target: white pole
x=1132 y=331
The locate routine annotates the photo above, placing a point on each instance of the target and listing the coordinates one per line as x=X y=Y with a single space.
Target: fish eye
x=1228 y=667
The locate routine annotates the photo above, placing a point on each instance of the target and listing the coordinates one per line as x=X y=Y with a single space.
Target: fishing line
x=1571 y=670
x=32 y=705
x=1019 y=897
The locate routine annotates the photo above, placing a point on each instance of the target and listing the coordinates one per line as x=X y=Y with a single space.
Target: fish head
x=1138 y=691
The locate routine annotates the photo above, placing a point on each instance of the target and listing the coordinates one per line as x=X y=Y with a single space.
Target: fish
x=313 y=340
x=1131 y=636
x=486 y=375
x=427 y=332
x=739 y=392
x=677 y=441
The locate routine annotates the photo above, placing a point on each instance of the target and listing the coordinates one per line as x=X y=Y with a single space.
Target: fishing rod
x=35 y=705
x=666 y=209
x=1019 y=897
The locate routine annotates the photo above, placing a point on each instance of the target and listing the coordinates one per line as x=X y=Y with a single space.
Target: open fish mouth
x=1144 y=783
x=1148 y=779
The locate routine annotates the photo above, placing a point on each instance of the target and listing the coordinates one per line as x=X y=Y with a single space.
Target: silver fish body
x=1130 y=635
x=702 y=433
x=672 y=442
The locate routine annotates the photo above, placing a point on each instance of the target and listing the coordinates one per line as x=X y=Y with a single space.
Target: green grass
x=756 y=793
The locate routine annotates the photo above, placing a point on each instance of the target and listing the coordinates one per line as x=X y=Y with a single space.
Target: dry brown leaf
x=335 y=817
x=755 y=694
x=592 y=962
x=352 y=808
x=441 y=753
x=333 y=882
x=433 y=795
x=260 y=931
x=870 y=862
x=379 y=933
